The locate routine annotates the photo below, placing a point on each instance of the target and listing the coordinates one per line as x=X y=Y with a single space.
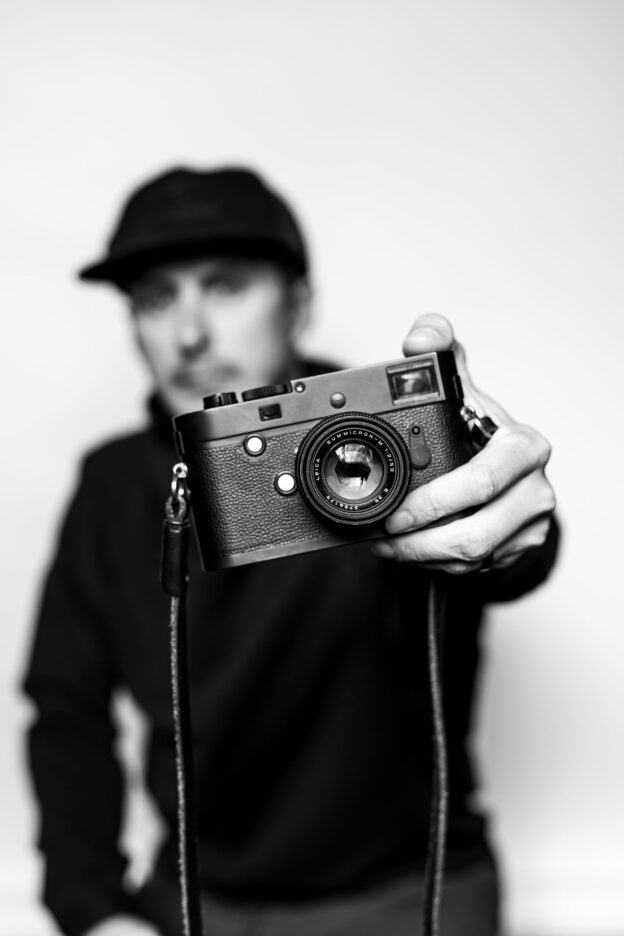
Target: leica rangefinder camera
x=321 y=461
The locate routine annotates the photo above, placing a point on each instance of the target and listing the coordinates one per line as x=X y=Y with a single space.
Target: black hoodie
x=309 y=694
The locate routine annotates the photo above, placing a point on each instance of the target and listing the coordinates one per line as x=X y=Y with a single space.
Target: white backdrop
x=458 y=157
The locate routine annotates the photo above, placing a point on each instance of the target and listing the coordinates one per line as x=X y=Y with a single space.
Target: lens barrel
x=353 y=469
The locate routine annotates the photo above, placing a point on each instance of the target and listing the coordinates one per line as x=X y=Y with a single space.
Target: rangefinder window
x=409 y=382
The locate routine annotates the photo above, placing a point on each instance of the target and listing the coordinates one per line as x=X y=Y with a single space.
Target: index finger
x=514 y=452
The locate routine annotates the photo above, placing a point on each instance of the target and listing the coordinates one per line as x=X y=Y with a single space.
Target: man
x=308 y=676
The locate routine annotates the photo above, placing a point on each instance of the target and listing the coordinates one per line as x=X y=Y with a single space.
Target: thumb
x=429 y=333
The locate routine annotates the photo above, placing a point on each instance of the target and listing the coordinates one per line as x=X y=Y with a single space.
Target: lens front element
x=353 y=469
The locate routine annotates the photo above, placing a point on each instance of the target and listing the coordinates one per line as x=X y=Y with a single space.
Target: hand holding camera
x=505 y=482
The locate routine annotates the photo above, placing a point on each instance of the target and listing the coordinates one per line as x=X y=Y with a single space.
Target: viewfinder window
x=270 y=411
x=412 y=381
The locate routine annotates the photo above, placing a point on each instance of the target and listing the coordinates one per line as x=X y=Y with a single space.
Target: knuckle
x=543 y=494
x=486 y=482
x=406 y=549
x=532 y=536
x=428 y=508
x=538 y=532
x=543 y=450
x=550 y=500
x=473 y=547
x=536 y=445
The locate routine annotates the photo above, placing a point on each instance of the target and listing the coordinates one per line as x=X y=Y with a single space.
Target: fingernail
x=384 y=550
x=426 y=330
x=400 y=522
x=425 y=334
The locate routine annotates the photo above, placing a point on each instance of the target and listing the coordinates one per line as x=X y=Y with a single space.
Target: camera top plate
x=390 y=385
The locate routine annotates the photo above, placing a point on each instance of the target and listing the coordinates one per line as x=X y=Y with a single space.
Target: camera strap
x=174 y=580
x=481 y=428
x=438 y=816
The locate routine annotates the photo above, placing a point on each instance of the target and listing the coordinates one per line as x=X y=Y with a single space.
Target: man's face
x=222 y=323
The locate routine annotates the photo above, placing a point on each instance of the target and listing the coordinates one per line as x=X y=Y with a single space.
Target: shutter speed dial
x=259 y=393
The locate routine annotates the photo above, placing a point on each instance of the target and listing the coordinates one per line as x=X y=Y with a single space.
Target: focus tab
x=420 y=453
x=219 y=399
x=259 y=393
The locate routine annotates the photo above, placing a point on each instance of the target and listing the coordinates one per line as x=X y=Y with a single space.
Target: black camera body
x=321 y=461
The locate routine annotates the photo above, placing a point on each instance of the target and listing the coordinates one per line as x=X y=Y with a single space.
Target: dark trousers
x=469 y=908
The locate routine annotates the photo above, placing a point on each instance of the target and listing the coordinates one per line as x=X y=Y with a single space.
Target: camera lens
x=353 y=469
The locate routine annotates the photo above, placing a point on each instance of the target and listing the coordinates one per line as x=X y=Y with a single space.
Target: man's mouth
x=206 y=377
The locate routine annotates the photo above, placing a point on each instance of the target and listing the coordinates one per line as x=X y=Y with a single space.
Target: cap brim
x=125 y=266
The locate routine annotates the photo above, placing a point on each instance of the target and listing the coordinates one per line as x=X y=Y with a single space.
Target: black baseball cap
x=185 y=213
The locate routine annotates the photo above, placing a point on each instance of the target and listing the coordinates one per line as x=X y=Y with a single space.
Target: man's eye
x=226 y=283
x=152 y=297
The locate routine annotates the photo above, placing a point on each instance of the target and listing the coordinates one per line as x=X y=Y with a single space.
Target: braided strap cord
x=174 y=580
x=482 y=428
x=434 y=873
x=187 y=844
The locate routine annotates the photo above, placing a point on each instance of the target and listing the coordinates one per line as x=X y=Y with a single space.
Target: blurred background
x=463 y=157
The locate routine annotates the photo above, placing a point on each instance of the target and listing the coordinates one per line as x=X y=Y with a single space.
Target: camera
x=320 y=461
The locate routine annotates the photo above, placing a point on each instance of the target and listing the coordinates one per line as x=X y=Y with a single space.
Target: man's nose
x=192 y=328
